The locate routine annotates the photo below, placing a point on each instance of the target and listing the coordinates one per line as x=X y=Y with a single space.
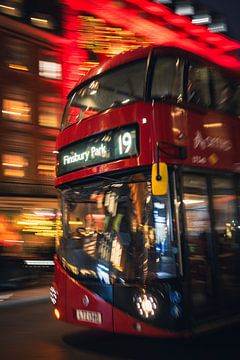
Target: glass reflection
x=117 y=232
x=224 y=203
x=198 y=234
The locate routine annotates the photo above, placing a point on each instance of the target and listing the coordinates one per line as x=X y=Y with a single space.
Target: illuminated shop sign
x=105 y=147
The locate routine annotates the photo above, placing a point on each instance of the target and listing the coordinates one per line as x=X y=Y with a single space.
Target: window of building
x=41 y=20
x=11 y=7
x=167 y=78
x=49 y=65
x=17 y=110
x=14 y=165
x=17 y=55
x=46 y=161
x=49 y=111
x=50 y=69
x=46 y=167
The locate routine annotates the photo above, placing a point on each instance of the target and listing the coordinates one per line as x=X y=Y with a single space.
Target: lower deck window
x=117 y=231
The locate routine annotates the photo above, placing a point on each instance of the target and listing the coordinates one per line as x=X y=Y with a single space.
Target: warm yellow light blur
x=18 y=67
x=16 y=110
x=33 y=19
x=7 y=7
x=213 y=125
x=46 y=167
x=75 y=223
x=13 y=165
x=57 y=313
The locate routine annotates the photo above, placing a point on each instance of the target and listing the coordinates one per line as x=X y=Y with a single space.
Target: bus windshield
x=118 y=87
x=117 y=231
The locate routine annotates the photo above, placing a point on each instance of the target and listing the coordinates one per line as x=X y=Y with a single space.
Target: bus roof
x=214 y=55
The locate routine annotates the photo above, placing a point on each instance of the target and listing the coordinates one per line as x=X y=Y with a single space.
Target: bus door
x=225 y=219
x=199 y=245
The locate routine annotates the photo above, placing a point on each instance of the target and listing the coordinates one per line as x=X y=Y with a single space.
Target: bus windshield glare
x=117 y=232
x=116 y=88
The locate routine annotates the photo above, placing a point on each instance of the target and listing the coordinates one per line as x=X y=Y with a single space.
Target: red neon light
x=203 y=33
x=155 y=29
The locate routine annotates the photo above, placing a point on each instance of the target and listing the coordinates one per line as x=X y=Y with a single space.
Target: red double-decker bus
x=148 y=172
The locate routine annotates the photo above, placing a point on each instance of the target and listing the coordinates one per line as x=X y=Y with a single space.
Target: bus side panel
x=160 y=316
x=124 y=323
x=85 y=307
x=59 y=285
x=209 y=140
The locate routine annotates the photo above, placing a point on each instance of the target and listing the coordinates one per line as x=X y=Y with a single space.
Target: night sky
x=231 y=10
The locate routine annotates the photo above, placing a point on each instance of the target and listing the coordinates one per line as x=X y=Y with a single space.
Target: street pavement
x=14 y=297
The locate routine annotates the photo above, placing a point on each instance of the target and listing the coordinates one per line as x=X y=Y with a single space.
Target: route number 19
x=124 y=143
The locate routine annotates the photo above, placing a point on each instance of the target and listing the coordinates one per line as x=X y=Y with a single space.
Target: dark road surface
x=30 y=331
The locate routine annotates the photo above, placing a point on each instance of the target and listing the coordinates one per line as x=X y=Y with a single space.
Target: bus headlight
x=53 y=294
x=147 y=305
x=57 y=313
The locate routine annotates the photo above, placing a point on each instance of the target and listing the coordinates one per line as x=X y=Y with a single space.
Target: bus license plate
x=93 y=317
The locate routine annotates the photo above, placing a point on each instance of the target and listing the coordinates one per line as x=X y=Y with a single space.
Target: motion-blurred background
x=45 y=47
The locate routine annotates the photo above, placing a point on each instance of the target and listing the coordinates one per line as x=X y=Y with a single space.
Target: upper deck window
x=226 y=93
x=168 y=78
x=116 y=88
x=208 y=86
x=198 y=90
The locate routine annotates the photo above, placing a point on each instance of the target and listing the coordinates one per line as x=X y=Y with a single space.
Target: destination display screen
x=105 y=147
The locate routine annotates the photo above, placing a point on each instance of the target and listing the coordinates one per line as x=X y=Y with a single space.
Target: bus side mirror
x=159 y=179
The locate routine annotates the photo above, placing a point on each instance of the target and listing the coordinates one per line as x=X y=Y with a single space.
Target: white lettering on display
x=105 y=147
x=69 y=159
x=218 y=142
x=85 y=156
x=99 y=151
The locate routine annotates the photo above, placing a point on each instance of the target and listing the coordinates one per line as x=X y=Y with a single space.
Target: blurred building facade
x=31 y=101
